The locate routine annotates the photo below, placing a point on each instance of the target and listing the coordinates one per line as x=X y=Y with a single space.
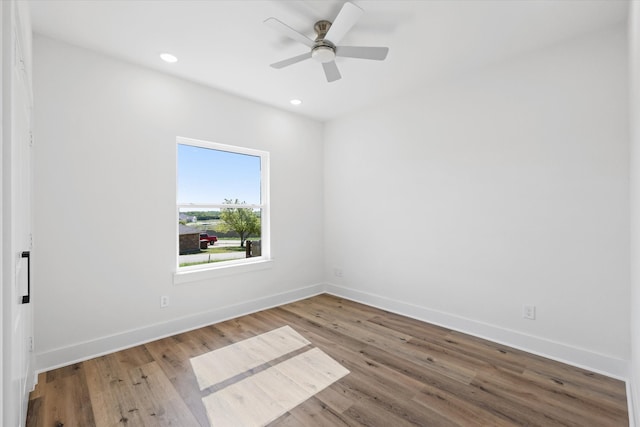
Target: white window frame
x=208 y=271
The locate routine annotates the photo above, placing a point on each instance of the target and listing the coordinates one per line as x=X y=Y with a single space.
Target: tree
x=243 y=221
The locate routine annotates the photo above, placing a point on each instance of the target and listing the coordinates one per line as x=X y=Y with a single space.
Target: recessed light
x=295 y=102
x=167 y=57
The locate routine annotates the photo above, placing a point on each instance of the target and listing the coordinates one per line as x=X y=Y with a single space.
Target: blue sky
x=210 y=176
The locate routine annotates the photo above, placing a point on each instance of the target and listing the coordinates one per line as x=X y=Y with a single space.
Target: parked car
x=208 y=238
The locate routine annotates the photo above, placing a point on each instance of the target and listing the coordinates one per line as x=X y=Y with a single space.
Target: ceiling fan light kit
x=323 y=53
x=325 y=48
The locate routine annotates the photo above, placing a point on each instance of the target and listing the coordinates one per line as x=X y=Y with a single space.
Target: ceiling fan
x=325 y=48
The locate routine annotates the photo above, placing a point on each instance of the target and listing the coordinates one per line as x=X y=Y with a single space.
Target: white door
x=17 y=377
x=21 y=224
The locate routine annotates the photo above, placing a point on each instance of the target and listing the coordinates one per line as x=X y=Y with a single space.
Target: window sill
x=199 y=274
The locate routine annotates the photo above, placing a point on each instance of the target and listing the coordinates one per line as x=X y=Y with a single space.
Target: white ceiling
x=225 y=45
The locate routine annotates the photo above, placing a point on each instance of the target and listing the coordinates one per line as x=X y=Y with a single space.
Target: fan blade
x=346 y=19
x=362 y=52
x=331 y=71
x=291 y=61
x=288 y=31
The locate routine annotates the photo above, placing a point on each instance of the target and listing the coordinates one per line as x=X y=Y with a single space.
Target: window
x=222 y=206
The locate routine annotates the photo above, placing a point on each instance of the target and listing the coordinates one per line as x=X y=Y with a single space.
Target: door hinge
x=30 y=139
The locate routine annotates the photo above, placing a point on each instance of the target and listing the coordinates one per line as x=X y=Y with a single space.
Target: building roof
x=187 y=230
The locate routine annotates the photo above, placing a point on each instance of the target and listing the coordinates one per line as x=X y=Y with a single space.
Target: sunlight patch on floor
x=225 y=363
x=256 y=393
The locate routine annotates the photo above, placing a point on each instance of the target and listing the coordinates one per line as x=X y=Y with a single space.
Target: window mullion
x=216 y=206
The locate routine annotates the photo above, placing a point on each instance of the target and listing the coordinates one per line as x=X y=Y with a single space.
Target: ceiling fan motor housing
x=324 y=50
x=321 y=28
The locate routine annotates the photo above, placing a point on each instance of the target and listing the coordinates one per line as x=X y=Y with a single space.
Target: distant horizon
x=208 y=176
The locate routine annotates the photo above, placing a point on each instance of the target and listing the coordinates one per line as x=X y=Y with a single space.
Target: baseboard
x=78 y=352
x=570 y=355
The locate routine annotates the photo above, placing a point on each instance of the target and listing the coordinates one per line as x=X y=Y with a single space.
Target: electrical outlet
x=529 y=312
x=337 y=272
x=164 y=301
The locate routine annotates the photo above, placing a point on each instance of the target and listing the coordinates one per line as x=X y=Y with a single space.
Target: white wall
x=461 y=202
x=634 y=55
x=105 y=203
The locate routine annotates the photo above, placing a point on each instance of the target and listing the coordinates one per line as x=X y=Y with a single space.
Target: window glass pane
x=212 y=176
x=205 y=219
x=218 y=235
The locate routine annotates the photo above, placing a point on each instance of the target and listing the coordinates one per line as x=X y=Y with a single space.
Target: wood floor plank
x=314 y=412
x=111 y=396
x=590 y=395
x=402 y=372
x=331 y=398
x=384 y=338
x=460 y=350
x=64 y=399
x=369 y=412
x=173 y=359
x=239 y=329
x=203 y=340
x=156 y=400
x=391 y=391
x=35 y=412
x=580 y=378
x=456 y=409
x=562 y=407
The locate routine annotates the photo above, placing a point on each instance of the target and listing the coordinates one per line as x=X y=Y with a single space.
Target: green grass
x=221 y=249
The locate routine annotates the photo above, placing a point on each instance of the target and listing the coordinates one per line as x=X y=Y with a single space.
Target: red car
x=206 y=237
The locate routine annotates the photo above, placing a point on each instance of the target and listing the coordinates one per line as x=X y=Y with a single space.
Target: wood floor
x=402 y=372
